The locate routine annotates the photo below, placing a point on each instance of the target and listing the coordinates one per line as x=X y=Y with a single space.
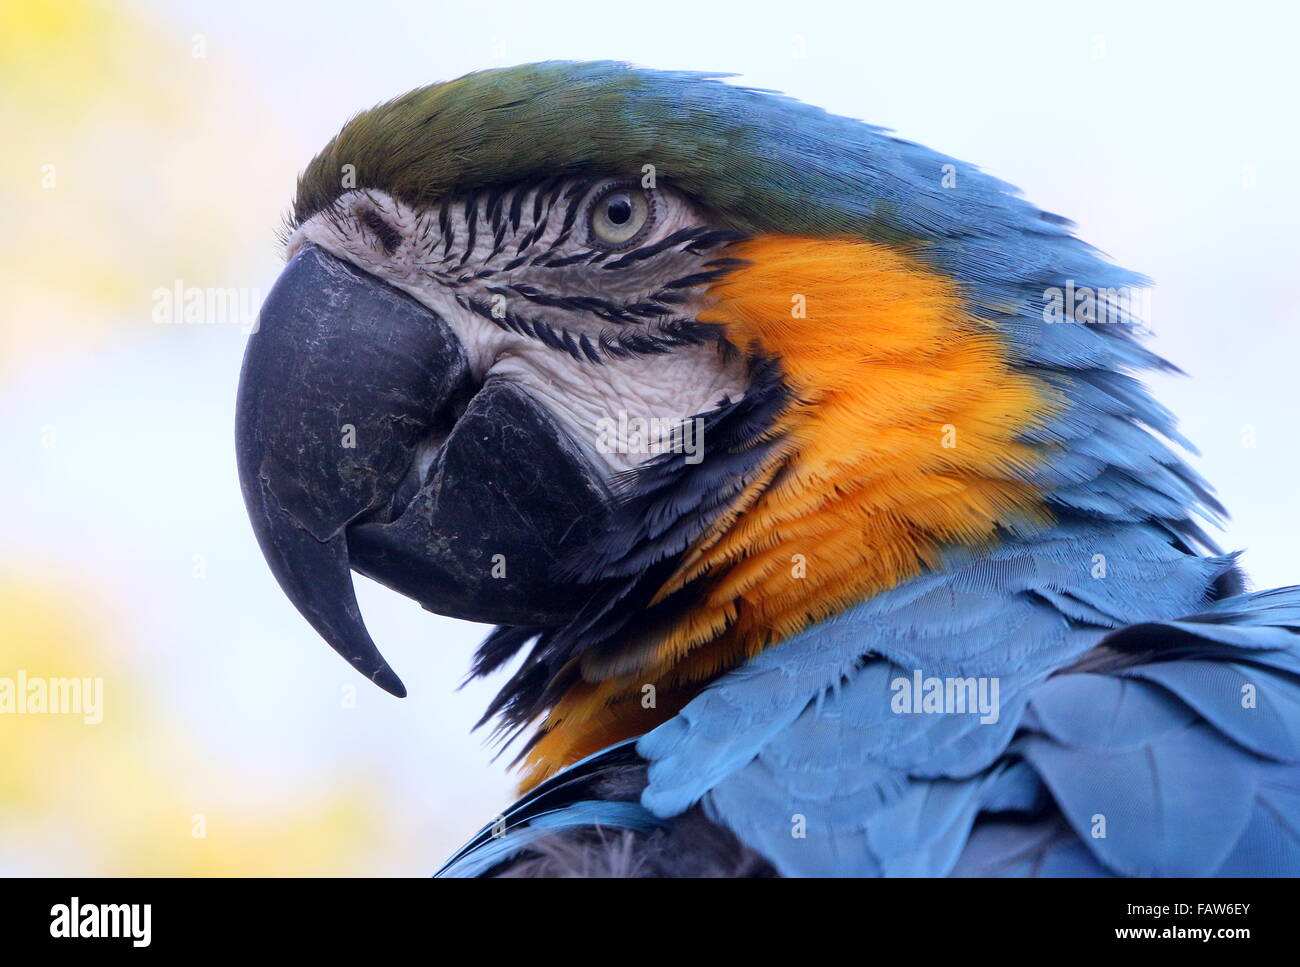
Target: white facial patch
x=594 y=333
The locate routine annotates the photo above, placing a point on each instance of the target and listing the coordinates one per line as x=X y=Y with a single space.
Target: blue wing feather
x=1152 y=767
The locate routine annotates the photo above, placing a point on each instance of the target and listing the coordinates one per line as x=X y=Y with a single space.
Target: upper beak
x=363 y=443
x=341 y=381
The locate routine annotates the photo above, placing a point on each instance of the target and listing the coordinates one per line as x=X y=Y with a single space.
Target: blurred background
x=150 y=150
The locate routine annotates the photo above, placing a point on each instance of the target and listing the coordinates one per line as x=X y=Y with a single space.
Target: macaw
x=804 y=472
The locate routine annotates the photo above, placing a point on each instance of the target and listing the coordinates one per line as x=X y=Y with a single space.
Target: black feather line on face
x=663 y=338
x=445 y=227
x=662 y=508
x=471 y=228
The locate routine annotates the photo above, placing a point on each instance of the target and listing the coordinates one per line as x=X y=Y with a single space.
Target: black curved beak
x=363 y=443
x=342 y=379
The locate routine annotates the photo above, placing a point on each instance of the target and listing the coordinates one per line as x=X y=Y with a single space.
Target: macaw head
x=653 y=371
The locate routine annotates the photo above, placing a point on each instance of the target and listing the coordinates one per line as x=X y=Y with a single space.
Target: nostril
x=389 y=237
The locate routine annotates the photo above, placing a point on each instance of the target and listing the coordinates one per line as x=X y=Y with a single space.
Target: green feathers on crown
x=759 y=161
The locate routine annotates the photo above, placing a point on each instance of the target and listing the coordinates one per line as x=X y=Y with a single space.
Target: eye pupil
x=618 y=216
x=620 y=210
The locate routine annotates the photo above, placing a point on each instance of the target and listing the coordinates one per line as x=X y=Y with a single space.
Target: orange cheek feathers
x=901 y=440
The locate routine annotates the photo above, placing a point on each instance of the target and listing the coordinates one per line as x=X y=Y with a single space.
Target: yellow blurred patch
x=131 y=794
x=134 y=157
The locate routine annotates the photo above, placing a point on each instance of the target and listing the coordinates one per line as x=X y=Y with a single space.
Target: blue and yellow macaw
x=804 y=471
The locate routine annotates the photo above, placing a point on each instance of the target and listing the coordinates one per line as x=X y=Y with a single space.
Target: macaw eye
x=618 y=216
